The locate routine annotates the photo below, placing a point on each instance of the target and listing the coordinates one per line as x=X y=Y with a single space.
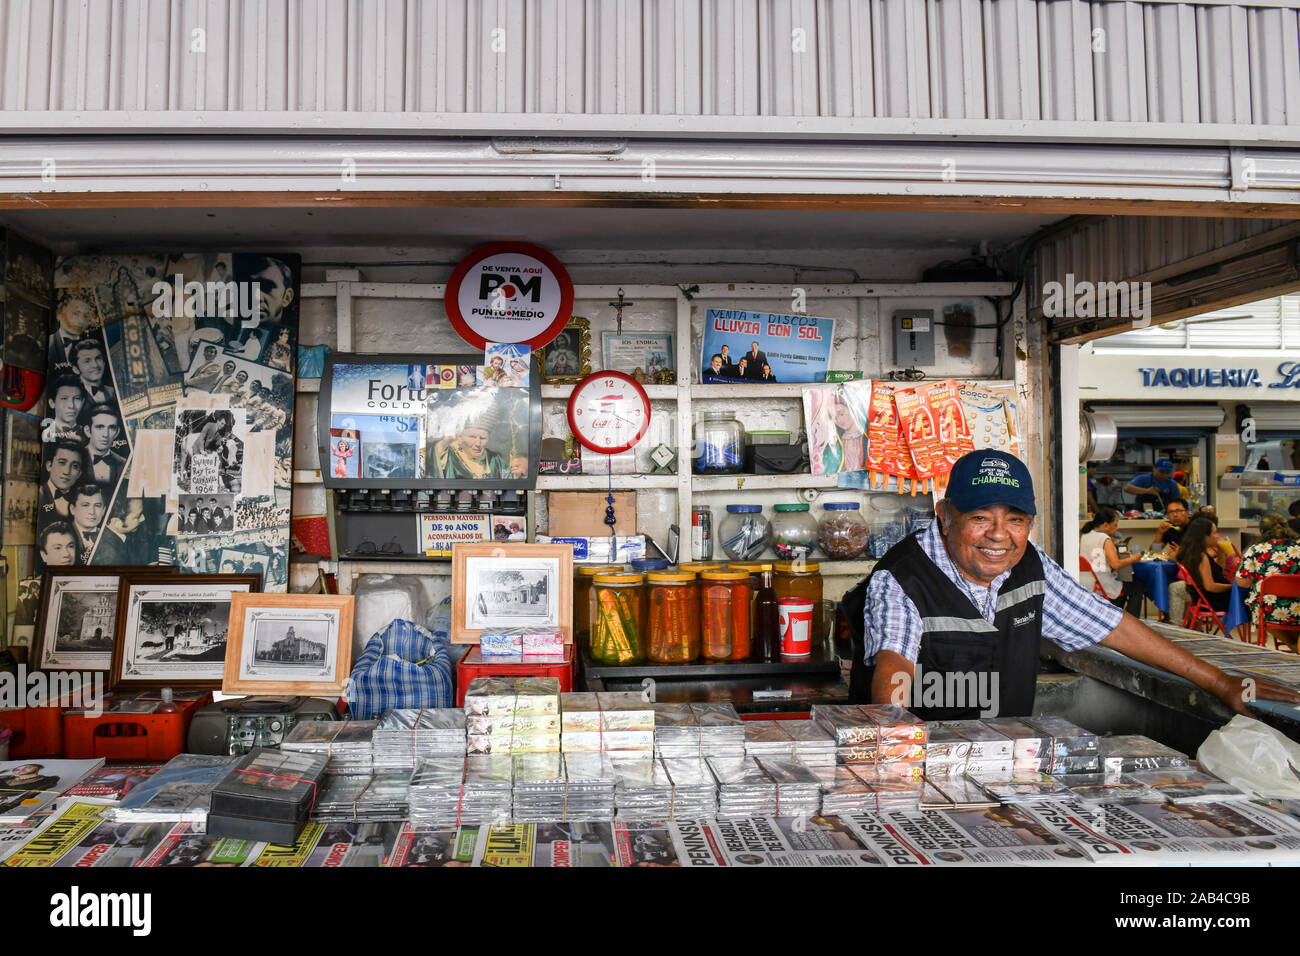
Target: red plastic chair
x=1086 y=565
x=1281 y=585
x=1201 y=612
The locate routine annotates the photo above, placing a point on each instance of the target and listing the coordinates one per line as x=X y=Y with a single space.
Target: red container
x=796 y=616
x=472 y=665
x=38 y=731
x=130 y=736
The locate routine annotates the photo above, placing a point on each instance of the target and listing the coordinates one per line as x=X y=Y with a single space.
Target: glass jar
x=724 y=615
x=745 y=533
x=699 y=567
x=794 y=531
x=719 y=444
x=802 y=579
x=842 y=534
x=582 y=597
x=673 y=630
x=617 y=618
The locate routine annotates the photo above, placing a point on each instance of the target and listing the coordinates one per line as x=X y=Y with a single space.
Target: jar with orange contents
x=724 y=615
x=673 y=630
x=802 y=579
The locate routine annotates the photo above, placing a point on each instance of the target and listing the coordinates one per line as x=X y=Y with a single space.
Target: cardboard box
x=582 y=513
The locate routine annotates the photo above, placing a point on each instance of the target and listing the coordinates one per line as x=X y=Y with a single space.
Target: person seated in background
x=1170 y=533
x=1097 y=545
x=1194 y=555
x=1276 y=552
x=1226 y=553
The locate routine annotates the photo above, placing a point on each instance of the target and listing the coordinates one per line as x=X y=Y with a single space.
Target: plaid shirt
x=422 y=678
x=1073 y=617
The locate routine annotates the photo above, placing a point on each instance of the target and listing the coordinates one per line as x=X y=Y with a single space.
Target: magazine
x=28 y=785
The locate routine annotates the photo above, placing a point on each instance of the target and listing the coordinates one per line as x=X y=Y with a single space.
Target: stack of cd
x=990 y=751
x=564 y=788
x=858 y=788
x=666 y=788
x=512 y=715
x=1048 y=745
x=403 y=736
x=621 y=724
x=456 y=791
x=365 y=798
x=765 y=787
x=699 y=730
x=1126 y=753
x=348 y=744
x=802 y=740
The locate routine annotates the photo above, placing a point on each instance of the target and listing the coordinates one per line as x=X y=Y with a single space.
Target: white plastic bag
x=1253 y=757
x=382 y=599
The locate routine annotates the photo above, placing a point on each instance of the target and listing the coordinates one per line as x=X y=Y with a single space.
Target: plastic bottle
x=168 y=705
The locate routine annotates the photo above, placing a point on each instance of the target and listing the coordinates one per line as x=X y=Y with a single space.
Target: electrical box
x=913 y=337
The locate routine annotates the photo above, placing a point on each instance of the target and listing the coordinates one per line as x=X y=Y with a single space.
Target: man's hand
x=1163 y=527
x=1237 y=692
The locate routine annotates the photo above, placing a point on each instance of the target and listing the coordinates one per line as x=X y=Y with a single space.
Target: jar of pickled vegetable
x=802 y=579
x=582 y=597
x=617 y=618
x=724 y=615
x=673 y=629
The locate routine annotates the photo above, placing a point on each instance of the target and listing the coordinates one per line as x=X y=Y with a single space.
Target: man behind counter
x=969 y=599
x=1156 y=488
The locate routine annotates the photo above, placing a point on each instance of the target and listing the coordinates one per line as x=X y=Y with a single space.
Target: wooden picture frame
x=96 y=590
x=571 y=351
x=271 y=647
x=141 y=664
x=541 y=574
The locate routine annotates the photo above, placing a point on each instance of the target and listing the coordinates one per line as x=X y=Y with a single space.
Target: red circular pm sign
x=509 y=292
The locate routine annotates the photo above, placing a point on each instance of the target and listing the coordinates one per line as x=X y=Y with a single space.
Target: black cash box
x=267 y=796
x=775 y=459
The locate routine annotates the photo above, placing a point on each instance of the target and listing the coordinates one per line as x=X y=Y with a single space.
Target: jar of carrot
x=724 y=615
x=617 y=618
x=673 y=632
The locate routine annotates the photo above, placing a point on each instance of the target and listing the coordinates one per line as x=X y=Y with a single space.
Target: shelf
x=601 y=482
x=762 y=482
x=774 y=390
x=857 y=569
x=653 y=391
x=308 y=385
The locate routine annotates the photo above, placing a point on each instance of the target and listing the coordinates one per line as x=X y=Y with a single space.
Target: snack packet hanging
x=921 y=433
x=954 y=435
x=990 y=417
x=886 y=455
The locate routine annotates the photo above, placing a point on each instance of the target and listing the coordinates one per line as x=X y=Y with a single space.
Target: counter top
x=1140 y=524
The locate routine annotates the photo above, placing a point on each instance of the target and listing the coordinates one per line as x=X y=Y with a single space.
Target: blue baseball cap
x=1164 y=464
x=987 y=477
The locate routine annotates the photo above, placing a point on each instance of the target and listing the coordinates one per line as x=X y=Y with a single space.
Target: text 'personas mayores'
x=770 y=323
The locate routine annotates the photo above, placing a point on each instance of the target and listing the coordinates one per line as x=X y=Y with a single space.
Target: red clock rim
x=451 y=295
x=612 y=449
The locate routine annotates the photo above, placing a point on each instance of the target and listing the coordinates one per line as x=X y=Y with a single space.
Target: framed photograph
x=171 y=630
x=568 y=358
x=651 y=352
x=497 y=586
x=77 y=618
x=289 y=644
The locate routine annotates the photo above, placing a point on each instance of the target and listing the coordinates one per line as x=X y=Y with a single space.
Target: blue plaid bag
x=404 y=666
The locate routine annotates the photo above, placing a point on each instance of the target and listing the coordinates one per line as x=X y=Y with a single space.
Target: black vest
x=957 y=640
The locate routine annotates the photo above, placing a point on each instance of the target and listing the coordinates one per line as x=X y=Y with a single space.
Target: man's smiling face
x=986 y=542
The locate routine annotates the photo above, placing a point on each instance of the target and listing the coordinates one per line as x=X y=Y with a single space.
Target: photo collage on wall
x=167 y=430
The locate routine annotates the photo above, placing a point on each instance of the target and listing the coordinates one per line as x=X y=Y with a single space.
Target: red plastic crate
x=473 y=665
x=129 y=736
x=38 y=731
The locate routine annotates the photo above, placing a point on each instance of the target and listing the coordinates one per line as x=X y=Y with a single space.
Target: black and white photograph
x=209 y=453
x=76 y=625
x=512 y=593
x=205 y=514
x=173 y=633
x=289 y=643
